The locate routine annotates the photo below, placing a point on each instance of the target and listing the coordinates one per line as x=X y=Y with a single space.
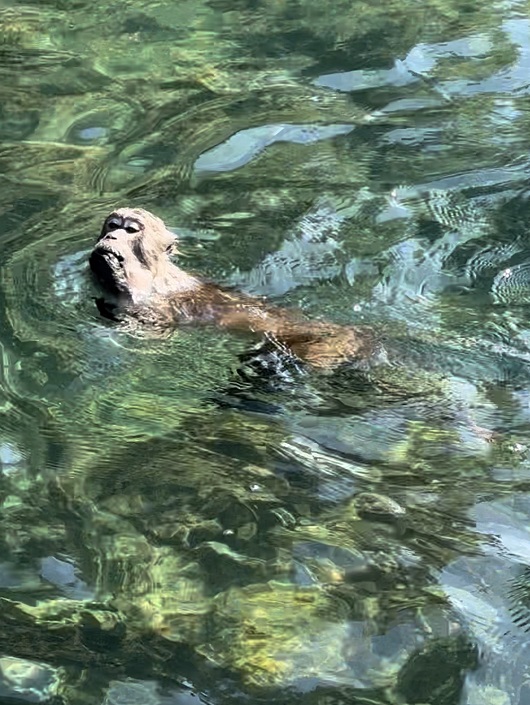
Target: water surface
x=172 y=534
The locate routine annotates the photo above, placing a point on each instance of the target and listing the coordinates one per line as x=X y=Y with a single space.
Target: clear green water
x=350 y=539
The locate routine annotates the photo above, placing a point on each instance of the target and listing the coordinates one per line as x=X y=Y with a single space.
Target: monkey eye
x=132 y=228
x=113 y=224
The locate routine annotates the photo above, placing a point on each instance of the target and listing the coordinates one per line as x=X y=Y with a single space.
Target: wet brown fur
x=131 y=260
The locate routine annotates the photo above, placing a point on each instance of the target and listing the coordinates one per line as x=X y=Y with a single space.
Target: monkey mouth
x=112 y=256
x=107 y=265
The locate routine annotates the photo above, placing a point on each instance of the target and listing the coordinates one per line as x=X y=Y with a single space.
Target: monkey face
x=131 y=255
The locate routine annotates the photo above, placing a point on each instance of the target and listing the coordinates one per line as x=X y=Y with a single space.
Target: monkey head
x=131 y=257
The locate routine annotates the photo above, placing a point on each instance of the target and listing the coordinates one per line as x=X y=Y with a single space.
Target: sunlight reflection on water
x=174 y=528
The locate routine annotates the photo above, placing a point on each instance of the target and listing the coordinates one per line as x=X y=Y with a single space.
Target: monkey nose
x=114 y=235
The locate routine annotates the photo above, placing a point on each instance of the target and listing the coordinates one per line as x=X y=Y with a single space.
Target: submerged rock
x=132 y=692
x=378 y=507
x=28 y=681
x=278 y=634
x=436 y=673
